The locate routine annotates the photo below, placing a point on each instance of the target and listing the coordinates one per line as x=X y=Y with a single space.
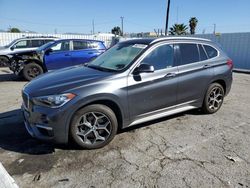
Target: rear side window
x=189 y=53
x=80 y=45
x=36 y=43
x=211 y=52
x=203 y=55
x=162 y=57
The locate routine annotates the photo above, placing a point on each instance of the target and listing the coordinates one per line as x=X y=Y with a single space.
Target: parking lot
x=185 y=150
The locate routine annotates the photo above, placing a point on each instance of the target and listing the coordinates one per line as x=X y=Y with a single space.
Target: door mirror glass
x=12 y=47
x=144 y=68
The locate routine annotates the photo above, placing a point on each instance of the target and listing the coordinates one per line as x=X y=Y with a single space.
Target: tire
x=4 y=61
x=31 y=70
x=213 y=99
x=87 y=132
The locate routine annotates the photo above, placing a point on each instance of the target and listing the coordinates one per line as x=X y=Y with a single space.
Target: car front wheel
x=213 y=98
x=31 y=70
x=93 y=126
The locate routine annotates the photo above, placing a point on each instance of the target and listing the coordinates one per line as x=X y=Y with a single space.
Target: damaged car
x=55 y=55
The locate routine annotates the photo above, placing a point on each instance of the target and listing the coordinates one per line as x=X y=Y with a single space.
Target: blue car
x=55 y=55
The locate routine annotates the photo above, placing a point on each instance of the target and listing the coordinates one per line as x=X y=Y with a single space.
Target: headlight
x=54 y=101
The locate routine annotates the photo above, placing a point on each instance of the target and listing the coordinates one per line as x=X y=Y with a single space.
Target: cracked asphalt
x=185 y=150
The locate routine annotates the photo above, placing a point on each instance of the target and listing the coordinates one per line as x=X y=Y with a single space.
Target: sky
x=76 y=16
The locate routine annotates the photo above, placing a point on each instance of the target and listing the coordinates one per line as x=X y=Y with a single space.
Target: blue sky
x=139 y=15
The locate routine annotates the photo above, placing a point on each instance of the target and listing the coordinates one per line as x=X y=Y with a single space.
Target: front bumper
x=46 y=123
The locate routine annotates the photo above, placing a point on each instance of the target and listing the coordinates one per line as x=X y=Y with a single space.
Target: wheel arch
x=113 y=105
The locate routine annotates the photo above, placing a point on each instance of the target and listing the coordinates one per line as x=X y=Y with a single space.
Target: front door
x=59 y=56
x=151 y=92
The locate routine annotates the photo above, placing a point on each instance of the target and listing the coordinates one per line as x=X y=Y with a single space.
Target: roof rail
x=174 y=38
x=40 y=37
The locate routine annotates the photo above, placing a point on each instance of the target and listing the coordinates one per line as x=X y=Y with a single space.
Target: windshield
x=118 y=57
x=43 y=47
x=10 y=44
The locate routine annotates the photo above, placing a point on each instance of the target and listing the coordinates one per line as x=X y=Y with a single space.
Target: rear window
x=189 y=53
x=211 y=52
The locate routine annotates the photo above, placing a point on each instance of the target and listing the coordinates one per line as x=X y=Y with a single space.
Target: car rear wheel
x=213 y=98
x=93 y=126
x=32 y=70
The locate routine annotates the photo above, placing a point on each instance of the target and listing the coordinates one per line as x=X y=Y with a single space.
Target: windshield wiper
x=99 y=68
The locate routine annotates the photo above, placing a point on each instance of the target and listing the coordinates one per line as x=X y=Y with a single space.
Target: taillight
x=230 y=63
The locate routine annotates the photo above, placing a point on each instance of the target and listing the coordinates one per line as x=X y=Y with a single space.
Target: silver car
x=20 y=45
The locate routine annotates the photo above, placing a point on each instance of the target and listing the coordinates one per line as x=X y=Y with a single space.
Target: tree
x=178 y=29
x=116 y=31
x=192 y=24
x=14 y=30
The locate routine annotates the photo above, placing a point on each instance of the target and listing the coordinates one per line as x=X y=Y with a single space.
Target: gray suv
x=133 y=82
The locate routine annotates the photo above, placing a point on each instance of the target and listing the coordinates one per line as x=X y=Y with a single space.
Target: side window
x=36 y=43
x=189 y=53
x=211 y=52
x=80 y=45
x=22 y=44
x=203 y=55
x=61 y=46
x=162 y=57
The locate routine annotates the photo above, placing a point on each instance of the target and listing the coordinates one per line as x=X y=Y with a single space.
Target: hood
x=2 y=48
x=26 y=52
x=64 y=80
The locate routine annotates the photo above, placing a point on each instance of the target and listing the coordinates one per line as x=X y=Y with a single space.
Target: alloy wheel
x=93 y=128
x=215 y=98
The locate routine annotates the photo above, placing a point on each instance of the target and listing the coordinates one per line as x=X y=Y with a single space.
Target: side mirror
x=12 y=47
x=144 y=68
x=47 y=52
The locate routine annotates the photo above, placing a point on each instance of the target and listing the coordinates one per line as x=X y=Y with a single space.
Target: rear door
x=59 y=57
x=83 y=52
x=150 y=92
x=195 y=73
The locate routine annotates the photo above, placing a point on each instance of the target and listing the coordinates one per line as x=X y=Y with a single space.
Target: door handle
x=66 y=54
x=90 y=53
x=206 y=66
x=170 y=75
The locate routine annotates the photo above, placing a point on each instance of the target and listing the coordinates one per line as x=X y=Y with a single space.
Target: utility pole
x=122 y=23
x=93 y=26
x=214 y=29
x=167 y=18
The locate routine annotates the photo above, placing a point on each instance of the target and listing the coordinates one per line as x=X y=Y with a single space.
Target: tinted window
x=162 y=57
x=23 y=44
x=203 y=55
x=189 y=53
x=61 y=46
x=79 y=45
x=211 y=52
x=36 y=43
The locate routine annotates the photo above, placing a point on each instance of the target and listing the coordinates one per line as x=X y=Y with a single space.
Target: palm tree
x=116 y=31
x=178 y=29
x=192 y=24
